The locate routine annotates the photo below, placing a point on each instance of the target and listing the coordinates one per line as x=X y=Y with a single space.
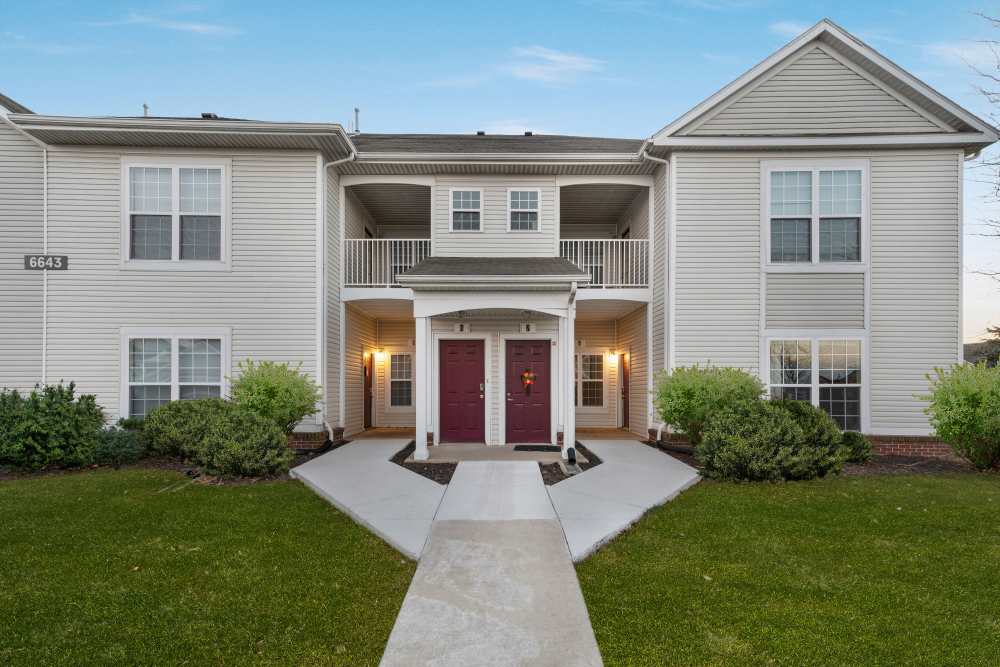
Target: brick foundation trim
x=911 y=445
x=307 y=441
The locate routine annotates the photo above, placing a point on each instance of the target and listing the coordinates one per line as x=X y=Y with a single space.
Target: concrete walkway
x=495 y=584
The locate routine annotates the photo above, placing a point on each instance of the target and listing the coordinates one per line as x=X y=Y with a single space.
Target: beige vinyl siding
x=268 y=298
x=631 y=332
x=357 y=218
x=21 y=234
x=361 y=337
x=597 y=338
x=814 y=93
x=395 y=337
x=717 y=271
x=494 y=240
x=916 y=277
x=816 y=300
x=333 y=301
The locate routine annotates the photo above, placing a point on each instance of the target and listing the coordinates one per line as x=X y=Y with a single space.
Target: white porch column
x=421 y=385
x=569 y=349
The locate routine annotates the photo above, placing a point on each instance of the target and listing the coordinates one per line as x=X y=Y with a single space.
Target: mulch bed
x=901 y=465
x=552 y=473
x=436 y=472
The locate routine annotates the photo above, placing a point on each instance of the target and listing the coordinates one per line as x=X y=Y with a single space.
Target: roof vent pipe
x=527 y=133
x=480 y=133
x=145 y=109
x=357 y=116
x=208 y=115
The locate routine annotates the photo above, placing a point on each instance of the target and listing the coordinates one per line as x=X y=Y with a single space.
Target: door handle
x=482 y=386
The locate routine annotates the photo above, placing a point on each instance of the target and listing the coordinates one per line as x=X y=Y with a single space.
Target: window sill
x=175 y=265
x=819 y=267
x=465 y=231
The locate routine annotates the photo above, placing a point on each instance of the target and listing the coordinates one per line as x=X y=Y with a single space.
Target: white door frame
x=436 y=379
x=555 y=363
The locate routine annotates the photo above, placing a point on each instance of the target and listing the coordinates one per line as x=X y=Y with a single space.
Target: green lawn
x=885 y=570
x=143 y=567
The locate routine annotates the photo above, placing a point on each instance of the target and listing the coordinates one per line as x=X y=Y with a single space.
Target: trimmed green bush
x=859 y=448
x=763 y=441
x=964 y=410
x=276 y=391
x=818 y=426
x=244 y=444
x=51 y=426
x=118 y=446
x=688 y=397
x=130 y=423
x=177 y=428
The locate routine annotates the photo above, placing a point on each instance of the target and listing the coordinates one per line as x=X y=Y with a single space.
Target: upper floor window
x=522 y=210
x=466 y=210
x=175 y=215
x=815 y=215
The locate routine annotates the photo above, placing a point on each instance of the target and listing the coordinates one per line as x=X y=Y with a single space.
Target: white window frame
x=224 y=334
x=537 y=211
x=388 y=379
x=578 y=380
x=452 y=210
x=175 y=164
x=815 y=166
x=814 y=337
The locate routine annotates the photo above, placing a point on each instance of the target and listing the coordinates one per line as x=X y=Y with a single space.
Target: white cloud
x=789 y=29
x=980 y=55
x=194 y=27
x=538 y=63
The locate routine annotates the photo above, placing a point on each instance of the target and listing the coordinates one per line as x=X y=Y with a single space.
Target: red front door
x=528 y=391
x=463 y=378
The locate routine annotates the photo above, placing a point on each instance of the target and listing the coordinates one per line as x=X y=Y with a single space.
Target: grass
x=885 y=570
x=141 y=566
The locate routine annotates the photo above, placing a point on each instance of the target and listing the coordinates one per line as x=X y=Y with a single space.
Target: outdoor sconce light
x=612 y=356
x=380 y=355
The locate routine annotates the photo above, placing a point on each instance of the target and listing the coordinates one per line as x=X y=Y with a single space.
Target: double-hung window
x=401 y=380
x=815 y=215
x=822 y=371
x=522 y=213
x=164 y=366
x=466 y=210
x=589 y=372
x=175 y=214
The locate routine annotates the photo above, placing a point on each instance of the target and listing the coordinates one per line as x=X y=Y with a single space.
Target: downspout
x=644 y=154
x=45 y=240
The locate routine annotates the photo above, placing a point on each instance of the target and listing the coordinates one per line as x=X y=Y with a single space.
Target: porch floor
x=455 y=452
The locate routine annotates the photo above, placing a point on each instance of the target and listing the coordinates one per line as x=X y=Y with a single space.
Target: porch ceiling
x=595 y=204
x=385 y=309
x=396 y=204
x=590 y=310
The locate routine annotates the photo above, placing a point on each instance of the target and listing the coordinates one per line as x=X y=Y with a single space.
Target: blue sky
x=596 y=67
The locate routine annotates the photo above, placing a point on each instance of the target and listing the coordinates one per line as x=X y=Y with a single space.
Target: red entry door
x=529 y=389
x=463 y=395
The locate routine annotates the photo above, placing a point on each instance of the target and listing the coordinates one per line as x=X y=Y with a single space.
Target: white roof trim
x=859 y=140
x=575 y=158
x=990 y=133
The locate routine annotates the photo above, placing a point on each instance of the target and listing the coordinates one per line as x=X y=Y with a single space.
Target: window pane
x=790 y=240
x=843 y=404
x=465 y=221
x=401 y=393
x=150 y=237
x=791 y=193
x=149 y=190
x=593 y=394
x=201 y=237
x=840 y=362
x=792 y=393
x=191 y=392
x=840 y=240
x=199 y=360
x=526 y=200
x=201 y=191
x=593 y=367
x=840 y=192
x=149 y=360
x=791 y=362
x=464 y=199
x=522 y=221
x=400 y=367
x=143 y=398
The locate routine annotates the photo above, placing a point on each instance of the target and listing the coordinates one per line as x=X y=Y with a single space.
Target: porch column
x=569 y=350
x=421 y=384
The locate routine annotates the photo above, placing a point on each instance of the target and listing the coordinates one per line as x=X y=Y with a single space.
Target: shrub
x=818 y=426
x=175 y=429
x=686 y=398
x=859 y=448
x=763 y=441
x=276 y=391
x=118 y=446
x=243 y=444
x=964 y=410
x=130 y=423
x=49 y=426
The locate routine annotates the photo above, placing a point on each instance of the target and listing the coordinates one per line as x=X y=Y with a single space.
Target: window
x=523 y=210
x=175 y=215
x=824 y=372
x=164 y=367
x=589 y=372
x=815 y=216
x=466 y=208
x=400 y=380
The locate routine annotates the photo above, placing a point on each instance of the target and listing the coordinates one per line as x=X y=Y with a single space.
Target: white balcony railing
x=378 y=262
x=610 y=262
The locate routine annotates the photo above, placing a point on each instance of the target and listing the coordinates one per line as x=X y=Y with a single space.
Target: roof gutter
x=644 y=154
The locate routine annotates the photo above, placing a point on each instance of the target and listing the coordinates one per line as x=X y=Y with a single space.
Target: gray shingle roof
x=496 y=266
x=491 y=143
x=12 y=105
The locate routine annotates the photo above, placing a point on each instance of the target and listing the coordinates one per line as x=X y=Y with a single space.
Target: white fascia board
x=839 y=141
x=568 y=158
